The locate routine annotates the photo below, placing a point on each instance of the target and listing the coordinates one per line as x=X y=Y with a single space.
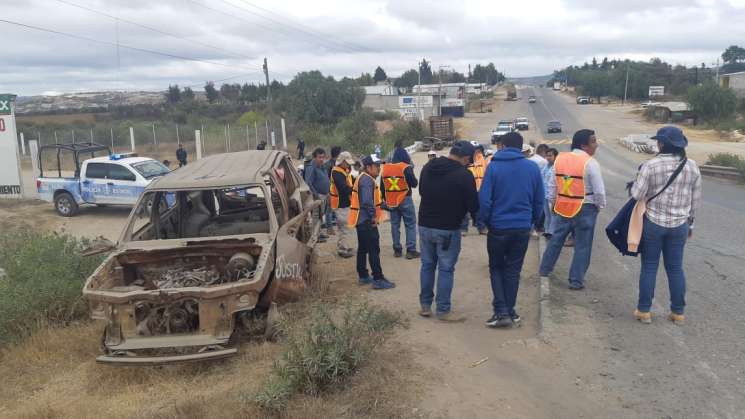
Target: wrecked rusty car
x=206 y=245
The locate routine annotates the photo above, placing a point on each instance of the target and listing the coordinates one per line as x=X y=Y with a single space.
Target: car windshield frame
x=554 y=124
x=148 y=176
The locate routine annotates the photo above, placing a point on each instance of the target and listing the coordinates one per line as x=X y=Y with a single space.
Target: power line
x=226 y=79
x=223 y=50
x=283 y=32
x=302 y=28
x=129 y=47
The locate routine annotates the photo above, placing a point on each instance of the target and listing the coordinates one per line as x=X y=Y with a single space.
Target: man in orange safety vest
x=578 y=193
x=396 y=183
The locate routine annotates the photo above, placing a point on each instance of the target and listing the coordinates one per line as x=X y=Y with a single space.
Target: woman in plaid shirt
x=668 y=222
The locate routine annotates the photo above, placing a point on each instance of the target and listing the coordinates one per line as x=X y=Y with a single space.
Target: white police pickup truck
x=102 y=178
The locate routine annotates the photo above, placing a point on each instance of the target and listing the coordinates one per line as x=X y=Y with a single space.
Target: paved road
x=663 y=370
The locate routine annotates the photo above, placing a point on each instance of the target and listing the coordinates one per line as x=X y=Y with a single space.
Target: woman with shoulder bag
x=675 y=183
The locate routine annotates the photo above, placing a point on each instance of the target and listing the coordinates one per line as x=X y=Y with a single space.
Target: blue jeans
x=507 y=250
x=407 y=212
x=440 y=250
x=549 y=217
x=583 y=225
x=670 y=242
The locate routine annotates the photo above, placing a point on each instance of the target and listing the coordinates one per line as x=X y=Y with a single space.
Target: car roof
x=124 y=161
x=553 y=122
x=521 y=118
x=220 y=170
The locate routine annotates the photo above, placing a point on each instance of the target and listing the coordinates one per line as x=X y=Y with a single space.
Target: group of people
x=356 y=199
x=509 y=195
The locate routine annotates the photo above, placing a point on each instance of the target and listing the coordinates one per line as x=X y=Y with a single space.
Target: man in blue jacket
x=511 y=202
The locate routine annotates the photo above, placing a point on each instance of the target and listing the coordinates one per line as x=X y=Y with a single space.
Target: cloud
x=344 y=37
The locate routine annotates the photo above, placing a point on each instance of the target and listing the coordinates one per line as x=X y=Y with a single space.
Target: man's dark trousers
x=507 y=250
x=368 y=247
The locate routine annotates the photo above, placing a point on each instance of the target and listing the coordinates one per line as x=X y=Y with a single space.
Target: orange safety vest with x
x=570 y=183
x=394 y=182
x=354 y=209
x=478 y=168
x=333 y=192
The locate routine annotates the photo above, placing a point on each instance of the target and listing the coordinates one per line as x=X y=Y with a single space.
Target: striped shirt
x=680 y=201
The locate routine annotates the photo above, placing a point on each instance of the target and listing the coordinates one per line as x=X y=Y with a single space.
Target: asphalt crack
x=719 y=275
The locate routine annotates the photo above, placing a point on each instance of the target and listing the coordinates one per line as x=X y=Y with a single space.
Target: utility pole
x=266 y=74
x=419 y=94
x=717 y=70
x=626 y=87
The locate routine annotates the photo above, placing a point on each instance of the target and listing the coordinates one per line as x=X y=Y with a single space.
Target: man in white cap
x=340 y=194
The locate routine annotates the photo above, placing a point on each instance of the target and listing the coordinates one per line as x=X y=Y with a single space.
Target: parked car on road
x=532 y=99
x=522 y=123
x=208 y=247
x=102 y=179
x=504 y=127
x=583 y=100
x=553 y=126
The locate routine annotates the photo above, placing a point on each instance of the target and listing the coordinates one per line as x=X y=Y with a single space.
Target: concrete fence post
x=198 y=143
x=33 y=147
x=284 y=135
x=23 y=145
x=132 y=137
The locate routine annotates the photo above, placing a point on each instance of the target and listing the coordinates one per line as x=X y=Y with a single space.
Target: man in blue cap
x=448 y=192
x=510 y=204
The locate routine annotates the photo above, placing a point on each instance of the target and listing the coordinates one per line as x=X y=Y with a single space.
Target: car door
x=93 y=184
x=124 y=189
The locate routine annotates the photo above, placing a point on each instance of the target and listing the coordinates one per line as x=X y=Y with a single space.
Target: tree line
x=408 y=79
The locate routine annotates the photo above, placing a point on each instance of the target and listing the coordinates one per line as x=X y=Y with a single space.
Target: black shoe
x=412 y=254
x=397 y=253
x=499 y=321
x=575 y=287
x=515 y=318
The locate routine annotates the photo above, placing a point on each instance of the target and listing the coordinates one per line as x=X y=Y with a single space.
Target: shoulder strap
x=672 y=178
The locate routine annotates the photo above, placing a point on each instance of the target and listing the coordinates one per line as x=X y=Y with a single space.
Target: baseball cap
x=431 y=153
x=671 y=135
x=370 y=160
x=463 y=149
x=345 y=156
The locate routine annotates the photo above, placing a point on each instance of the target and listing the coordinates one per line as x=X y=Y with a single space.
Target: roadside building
x=666 y=112
x=735 y=81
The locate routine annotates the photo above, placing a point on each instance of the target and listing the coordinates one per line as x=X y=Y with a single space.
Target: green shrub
x=728 y=160
x=324 y=351
x=387 y=116
x=41 y=282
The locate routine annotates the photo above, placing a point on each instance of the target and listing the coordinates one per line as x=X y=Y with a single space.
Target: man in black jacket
x=181 y=155
x=448 y=192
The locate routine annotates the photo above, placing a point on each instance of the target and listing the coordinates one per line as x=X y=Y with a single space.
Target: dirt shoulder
x=613 y=121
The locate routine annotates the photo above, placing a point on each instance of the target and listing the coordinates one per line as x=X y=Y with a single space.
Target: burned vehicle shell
x=224 y=236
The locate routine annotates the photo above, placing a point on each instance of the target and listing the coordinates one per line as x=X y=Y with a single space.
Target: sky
x=188 y=42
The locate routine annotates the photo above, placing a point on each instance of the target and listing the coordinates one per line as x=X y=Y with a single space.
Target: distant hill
x=87 y=101
x=534 y=80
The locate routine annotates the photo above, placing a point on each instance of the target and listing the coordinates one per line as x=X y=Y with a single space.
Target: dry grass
x=53 y=374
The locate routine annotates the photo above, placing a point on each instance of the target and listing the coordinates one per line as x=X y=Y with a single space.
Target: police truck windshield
x=151 y=169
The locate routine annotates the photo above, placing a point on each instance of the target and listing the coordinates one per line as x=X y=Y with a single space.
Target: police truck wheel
x=65 y=205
